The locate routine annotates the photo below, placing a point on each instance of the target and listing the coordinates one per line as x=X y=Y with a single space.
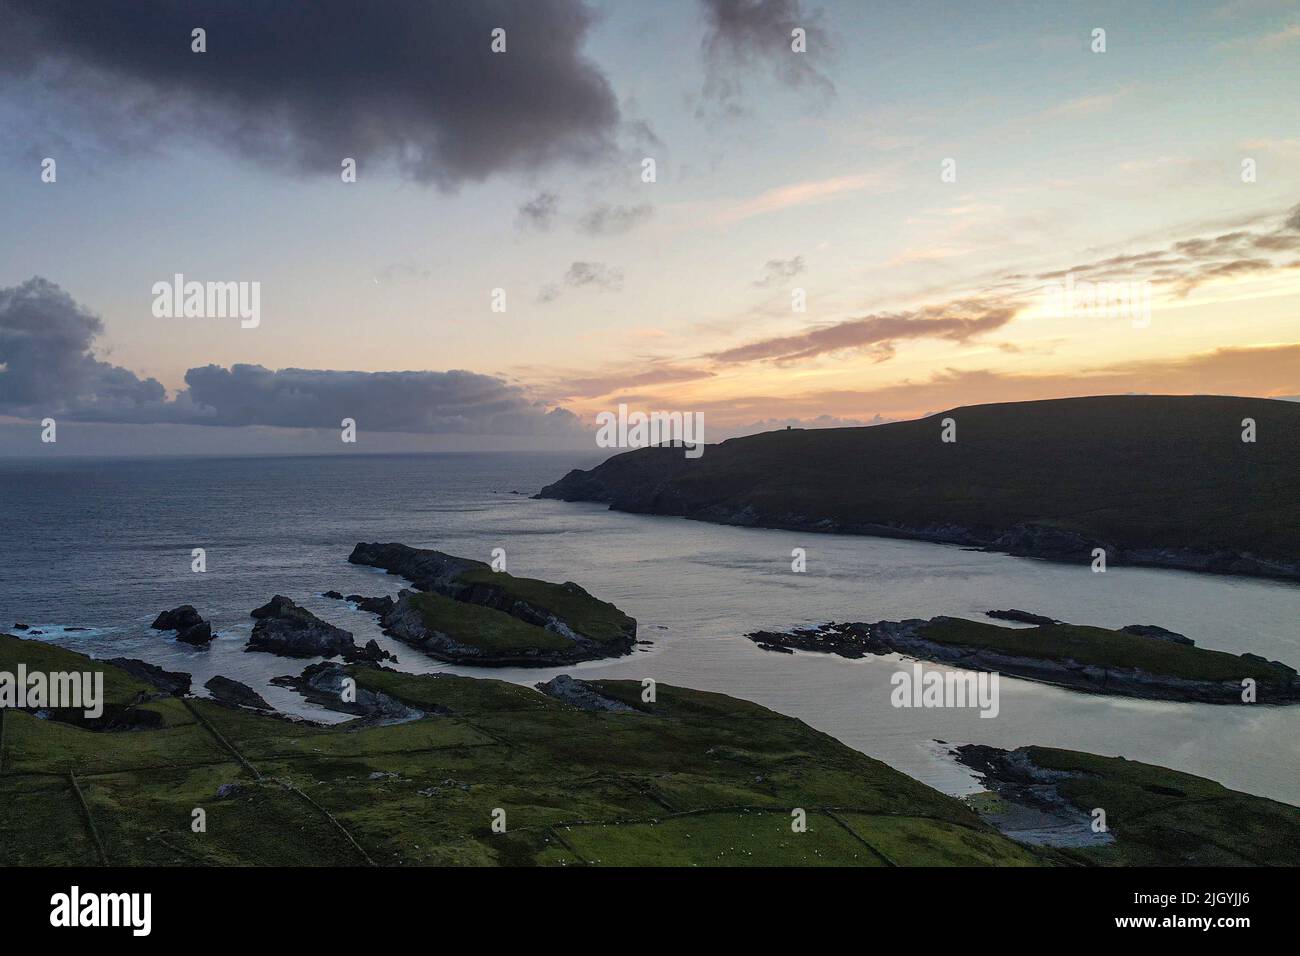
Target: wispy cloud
x=777 y=272
x=596 y=275
x=539 y=212
x=792 y=196
x=606 y=219
x=877 y=334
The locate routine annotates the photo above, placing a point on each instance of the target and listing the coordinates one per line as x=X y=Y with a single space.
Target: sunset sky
x=522 y=171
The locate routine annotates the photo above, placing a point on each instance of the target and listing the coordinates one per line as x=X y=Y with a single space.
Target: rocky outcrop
x=1032 y=807
x=846 y=640
x=582 y=695
x=371 y=653
x=327 y=684
x=372 y=605
x=428 y=570
x=189 y=626
x=175 y=683
x=1157 y=633
x=288 y=630
x=229 y=691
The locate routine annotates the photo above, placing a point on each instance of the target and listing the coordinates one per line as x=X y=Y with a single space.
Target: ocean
x=105 y=545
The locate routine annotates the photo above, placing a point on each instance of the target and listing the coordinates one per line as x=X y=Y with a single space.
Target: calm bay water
x=105 y=545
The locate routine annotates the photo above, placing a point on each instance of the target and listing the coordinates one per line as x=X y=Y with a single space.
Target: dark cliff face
x=1155 y=480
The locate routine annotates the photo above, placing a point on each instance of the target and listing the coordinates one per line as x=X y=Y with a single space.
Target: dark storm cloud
x=433 y=402
x=47 y=367
x=302 y=85
x=746 y=33
x=46 y=361
x=605 y=219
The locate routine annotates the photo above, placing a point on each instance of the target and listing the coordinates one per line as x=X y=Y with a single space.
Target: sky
x=876 y=227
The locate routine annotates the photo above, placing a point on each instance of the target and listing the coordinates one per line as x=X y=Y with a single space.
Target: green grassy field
x=693 y=779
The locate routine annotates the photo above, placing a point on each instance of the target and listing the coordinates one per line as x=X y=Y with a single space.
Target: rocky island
x=464 y=612
x=288 y=630
x=1136 y=661
x=189 y=625
x=1048 y=479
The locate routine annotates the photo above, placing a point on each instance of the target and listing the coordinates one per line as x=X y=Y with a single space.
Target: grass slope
x=589 y=616
x=483 y=627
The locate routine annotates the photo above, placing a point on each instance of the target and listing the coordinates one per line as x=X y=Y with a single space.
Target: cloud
x=1280 y=38
x=300 y=86
x=1293 y=220
x=47 y=367
x=46 y=363
x=428 y=402
x=607 y=220
x=1264 y=371
x=741 y=34
x=1082 y=106
x=1187 y=264
x=539 y=212
x=795 y=194
x=954 y=321
x=594 y=386
x=595 y=275
x=776 y=271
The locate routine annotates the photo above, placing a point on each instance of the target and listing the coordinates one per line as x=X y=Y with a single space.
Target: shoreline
x=1028 y=541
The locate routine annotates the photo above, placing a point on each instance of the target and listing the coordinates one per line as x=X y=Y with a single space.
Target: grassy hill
x=1156 y=480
